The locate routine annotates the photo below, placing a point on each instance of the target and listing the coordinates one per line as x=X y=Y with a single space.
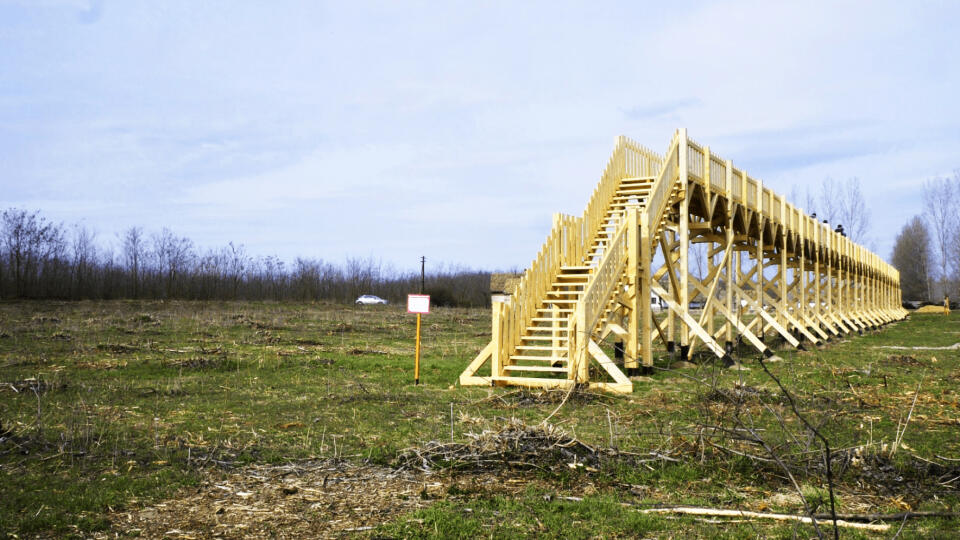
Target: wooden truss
x=763 y=269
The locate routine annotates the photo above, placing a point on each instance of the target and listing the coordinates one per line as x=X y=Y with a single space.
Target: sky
x=453 y=130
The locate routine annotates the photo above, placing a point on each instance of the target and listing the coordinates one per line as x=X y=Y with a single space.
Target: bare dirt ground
x=311 y=500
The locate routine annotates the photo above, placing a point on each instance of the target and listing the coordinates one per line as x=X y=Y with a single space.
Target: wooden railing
x=629 y=159
x=596 y=295
x=774 y=207
x=738 y=185
x=718 y=174
x=662 y=186
x=565 y=237
x=568 y=241
x=695 y=160
x=599 y=287
x=640 y=161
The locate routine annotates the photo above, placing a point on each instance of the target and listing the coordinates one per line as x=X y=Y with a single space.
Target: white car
x=369 y=299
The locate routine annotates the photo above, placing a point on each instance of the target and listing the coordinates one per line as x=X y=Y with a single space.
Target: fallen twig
x=890 y=517
x=953 y=347
x=697 y=511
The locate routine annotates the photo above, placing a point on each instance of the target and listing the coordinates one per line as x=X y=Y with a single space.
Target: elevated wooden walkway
x=770 y=270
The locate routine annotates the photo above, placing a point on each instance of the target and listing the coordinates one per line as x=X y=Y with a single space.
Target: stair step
x=538 y=358
x=539 y=348
x=548 y=319
x=549 y=369
x=556 y=292
x=558 y=310
x=545 y=328
x=542 y=338
x=559 y=329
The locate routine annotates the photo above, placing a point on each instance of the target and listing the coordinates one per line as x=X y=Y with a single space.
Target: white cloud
x=464 y=126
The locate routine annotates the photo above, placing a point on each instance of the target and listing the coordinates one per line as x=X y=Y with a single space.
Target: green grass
x=135 y=400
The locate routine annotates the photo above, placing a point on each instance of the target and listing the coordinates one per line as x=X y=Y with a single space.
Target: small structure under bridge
x=770 y=270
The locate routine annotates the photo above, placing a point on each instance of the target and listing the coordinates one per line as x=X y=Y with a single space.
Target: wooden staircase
x=544 y=348
x=548 y=332
x=594 y=274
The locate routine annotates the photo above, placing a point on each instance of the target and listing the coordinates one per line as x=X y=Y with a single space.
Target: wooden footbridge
x=769 y=271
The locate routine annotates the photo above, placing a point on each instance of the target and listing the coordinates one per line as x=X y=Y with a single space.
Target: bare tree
x=29 y=243
x=939 y=199
x=852 y=211
x=804 y=200
x=134 y=253
x=841 y=203
x=827 y=201
x=953 y=249
x=912 y=256
x=236 y=265
x=838 y=203
x=84 y=260
x=362 y=275
x=173 y=254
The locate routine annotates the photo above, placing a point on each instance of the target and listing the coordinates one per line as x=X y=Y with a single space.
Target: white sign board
x=418 y=303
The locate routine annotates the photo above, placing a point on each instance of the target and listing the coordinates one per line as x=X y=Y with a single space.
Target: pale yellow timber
x=593 y=280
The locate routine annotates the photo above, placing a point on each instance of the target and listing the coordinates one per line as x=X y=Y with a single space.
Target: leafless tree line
x=927 y=250
x=838 y=204
x=41 y=259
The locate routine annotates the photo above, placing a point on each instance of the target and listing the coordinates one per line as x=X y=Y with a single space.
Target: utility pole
x=416 y=365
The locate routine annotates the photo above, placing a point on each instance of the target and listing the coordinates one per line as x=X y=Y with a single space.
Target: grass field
x=190 y=419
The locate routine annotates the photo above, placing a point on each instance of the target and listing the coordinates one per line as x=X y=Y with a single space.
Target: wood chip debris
x=323 y=499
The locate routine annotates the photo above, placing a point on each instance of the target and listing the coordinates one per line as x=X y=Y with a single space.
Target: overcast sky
x=452 y=129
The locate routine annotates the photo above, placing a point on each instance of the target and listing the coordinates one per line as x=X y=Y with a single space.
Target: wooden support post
x=761 y=222
x=817 y=278
x=672 y=289
x=729 y=277
x=783 y=303
x=633 y=282
x=683 y=298
x=828 y=272
x=758 y=284
x=645 y=276
x=801 y=265
x=496 y=360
